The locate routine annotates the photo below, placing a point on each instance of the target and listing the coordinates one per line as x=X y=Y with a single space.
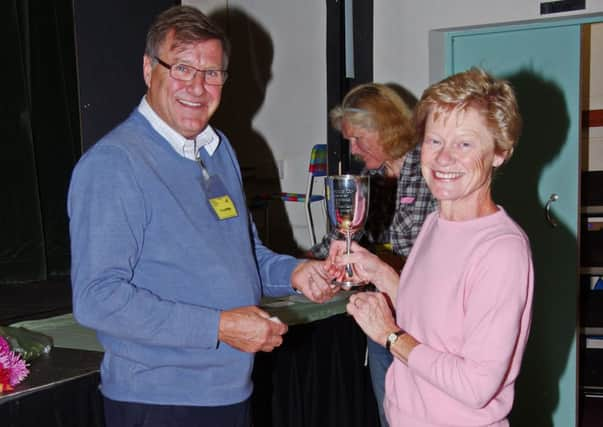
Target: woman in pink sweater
x=463 y=301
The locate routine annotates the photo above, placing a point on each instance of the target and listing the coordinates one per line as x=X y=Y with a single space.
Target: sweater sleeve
x=275 y=269
x=497 y=297
x=107 y=220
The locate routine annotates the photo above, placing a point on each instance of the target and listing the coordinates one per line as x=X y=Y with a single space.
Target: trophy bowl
x=347 y=199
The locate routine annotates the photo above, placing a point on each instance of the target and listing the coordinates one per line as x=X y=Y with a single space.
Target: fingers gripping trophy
x=347 y=206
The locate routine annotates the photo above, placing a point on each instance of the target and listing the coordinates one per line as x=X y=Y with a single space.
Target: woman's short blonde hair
x=377 y=107
x=494 y=99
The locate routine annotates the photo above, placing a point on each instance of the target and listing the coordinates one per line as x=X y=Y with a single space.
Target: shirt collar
x=207 y=139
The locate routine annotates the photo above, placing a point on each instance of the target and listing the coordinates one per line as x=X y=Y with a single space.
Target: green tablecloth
x=298 y=309
x=292 y=310
x=65 y=332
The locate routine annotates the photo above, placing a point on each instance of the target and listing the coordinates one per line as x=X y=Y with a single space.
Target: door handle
x=547 y=209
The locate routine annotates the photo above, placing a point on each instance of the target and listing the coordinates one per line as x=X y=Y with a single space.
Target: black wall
x=110 y=38
x=337 y=82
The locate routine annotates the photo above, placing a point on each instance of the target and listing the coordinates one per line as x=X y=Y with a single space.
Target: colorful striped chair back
x=318 y=160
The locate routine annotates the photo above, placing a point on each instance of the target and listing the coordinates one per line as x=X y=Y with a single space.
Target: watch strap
x=392 y=338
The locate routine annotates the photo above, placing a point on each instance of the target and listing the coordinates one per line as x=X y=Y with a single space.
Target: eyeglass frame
x=196 y=70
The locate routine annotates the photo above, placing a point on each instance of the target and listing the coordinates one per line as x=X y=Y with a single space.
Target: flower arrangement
x=13 y=369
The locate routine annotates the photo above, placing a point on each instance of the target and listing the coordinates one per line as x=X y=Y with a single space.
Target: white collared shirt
x=207 y=139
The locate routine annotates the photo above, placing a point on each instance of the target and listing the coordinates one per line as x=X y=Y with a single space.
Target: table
x=60 y=391
x=316 y=378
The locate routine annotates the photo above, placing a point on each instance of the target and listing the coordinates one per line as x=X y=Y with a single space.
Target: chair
x=317 y=168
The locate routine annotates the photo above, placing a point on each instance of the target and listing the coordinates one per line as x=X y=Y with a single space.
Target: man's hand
x=250 y=329
x=311 y=279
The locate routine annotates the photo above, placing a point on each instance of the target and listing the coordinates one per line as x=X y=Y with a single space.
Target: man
x=166 y=264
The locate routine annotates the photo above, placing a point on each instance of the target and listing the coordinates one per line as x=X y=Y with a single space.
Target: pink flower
x=13 y=369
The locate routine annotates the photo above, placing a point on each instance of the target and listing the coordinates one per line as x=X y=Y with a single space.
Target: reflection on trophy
x=347 y=206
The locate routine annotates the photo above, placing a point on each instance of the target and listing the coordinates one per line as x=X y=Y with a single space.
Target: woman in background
x=463 y=300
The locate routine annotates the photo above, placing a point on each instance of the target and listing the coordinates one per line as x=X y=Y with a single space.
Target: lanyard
x=217 y=194
x=204 y=172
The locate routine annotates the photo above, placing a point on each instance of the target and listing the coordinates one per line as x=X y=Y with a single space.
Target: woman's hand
x=373 y=313
x=367 y=267
x=365 y=264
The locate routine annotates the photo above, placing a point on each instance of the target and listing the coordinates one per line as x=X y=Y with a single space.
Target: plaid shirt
x=396 y=213
x=413 y=202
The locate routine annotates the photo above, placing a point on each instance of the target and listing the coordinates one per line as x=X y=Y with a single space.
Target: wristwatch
x=392 y=338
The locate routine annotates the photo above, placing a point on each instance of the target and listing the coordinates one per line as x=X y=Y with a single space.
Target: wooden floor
x=36 y=300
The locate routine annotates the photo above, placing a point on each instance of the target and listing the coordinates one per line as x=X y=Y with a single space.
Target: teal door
x=542 y=61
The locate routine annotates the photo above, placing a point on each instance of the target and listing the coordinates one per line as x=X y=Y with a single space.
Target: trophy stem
x=348 y=244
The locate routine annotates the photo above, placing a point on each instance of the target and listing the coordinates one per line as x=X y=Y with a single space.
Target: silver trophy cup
x=347 y=206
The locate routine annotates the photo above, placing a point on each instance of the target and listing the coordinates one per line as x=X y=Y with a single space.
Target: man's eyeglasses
x=186 y=73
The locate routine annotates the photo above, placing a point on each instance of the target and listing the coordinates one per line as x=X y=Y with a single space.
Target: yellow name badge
x=223 y=207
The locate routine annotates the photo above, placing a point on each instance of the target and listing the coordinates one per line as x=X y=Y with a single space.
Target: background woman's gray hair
x=379 y=108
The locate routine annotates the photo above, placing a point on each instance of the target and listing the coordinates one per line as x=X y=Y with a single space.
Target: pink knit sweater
x=465 y=294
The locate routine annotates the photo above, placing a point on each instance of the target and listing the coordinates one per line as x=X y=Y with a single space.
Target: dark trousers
x=131 y=414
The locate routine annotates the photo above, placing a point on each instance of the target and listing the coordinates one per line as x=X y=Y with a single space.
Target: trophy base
x=346 y=285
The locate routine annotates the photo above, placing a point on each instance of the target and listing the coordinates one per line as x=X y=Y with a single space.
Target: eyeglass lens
x=187 y=73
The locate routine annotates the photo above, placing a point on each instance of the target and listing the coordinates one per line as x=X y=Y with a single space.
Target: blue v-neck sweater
x=152 y=268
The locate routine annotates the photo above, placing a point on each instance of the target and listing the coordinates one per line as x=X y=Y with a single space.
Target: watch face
x=392 y=338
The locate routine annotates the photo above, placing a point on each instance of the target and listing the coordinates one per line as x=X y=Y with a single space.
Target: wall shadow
x=250 y=72
x=515 y=187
